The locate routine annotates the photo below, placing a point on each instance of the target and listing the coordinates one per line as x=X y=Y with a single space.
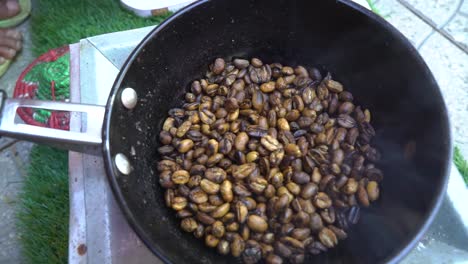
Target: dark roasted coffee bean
x=215 y=174
x=256 y=131
x=346 y=108
x=346 y=121
x=346 y=96
x=301 y=177
x=282 y=250
x=326 y=181
x=374 y=174
x=218 y=66
x=316 y=128
x=316 y=248
x=342 y=219
x=315 y=74
x=302 y=219
x=241 y=190
x=316 y=223
x=354 y=214
x=241 y=63
x=252 y=254
x=340 y=233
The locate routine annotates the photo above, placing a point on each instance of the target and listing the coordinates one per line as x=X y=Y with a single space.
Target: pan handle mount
x=88 y=140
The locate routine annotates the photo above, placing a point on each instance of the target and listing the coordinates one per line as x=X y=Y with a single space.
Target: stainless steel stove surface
x=99 y=232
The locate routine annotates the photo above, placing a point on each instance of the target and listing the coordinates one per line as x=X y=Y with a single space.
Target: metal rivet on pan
x=122 y=164
x=129 y=98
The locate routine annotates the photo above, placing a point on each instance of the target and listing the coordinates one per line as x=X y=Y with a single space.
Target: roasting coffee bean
x=267 y=161
x=372 y=190
x=354 y=214
x=328 y=238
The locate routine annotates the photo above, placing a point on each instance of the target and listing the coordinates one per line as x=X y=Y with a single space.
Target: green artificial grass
x=59 y=22
x=461 y=164
x=44 y=205
x=372 y=6
x=43 y=214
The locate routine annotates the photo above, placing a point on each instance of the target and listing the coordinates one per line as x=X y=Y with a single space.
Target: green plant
x=461 y=164
x=43 y=207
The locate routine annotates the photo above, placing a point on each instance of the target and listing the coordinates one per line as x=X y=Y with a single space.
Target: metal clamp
x=88 y=140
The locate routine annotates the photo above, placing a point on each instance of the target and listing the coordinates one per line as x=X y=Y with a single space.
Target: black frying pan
x=370 y=57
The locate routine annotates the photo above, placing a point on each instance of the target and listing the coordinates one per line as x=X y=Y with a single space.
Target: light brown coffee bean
x=206 y=207
x=292 y=242
x=300 y=233
x=362 y=196
x=241 y=141
x=226 y=191
x=334 y=86
x=351 y=186
x=209 y=186
x=270 y=143
x=322 y=200
x=223 y=247
x=185 y=145
x=252 y=156
x=198 y=196
x=293 y=150
x=218 y=66
x=257 y=224
x=188 y=224
x=242 y=171
x=180 y=177
x=218 y=229
x=211 y=241
x=328 y=238
x=179 y=203
x=237 y=247
x=268 y=87
x=273 y=259
x=373 y=190
x=282 y=124
x=293 y=188
x=340 y=233
x=221 y=210
x=241 y=212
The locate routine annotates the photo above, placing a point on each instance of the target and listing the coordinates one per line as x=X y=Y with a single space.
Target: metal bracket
x=87 y=141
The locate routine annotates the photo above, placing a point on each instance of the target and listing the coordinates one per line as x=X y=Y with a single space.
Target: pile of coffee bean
x=266 y=161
